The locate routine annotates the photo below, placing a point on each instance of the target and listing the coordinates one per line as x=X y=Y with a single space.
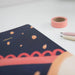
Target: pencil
x=68 y=33
x=68 y=37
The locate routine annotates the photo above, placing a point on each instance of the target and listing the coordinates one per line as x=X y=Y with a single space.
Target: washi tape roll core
x=59 y=22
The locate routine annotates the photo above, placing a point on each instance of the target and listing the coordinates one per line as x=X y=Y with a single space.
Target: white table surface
x=38 y=13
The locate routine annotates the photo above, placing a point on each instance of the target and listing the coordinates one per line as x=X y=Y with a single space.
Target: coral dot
x=22 y=33
x=37 y=73
x=11 y=32
x=34 y=37
x=8 y=43
x=31 y=27
x=44 y=46
x=21 y=45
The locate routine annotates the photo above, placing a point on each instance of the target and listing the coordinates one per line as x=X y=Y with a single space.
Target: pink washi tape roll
x=59 y=22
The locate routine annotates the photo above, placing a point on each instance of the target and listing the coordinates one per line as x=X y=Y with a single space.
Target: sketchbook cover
x=26 y=51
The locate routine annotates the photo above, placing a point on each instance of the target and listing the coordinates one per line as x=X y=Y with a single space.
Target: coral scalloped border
x=30 y=59
x=52 y=53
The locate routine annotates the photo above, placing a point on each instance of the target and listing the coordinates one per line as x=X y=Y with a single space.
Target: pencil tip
x=61 y=32
x=61 y=36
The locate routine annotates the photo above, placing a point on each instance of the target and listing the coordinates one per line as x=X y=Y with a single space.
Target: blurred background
x=6 y=3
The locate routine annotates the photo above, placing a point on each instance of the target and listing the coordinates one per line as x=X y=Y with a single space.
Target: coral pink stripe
x=10 y=55
x=36 y=52
x=23 y=54
x=1 y=57
x=45 y=52
x=57 y=50
x=27 y=60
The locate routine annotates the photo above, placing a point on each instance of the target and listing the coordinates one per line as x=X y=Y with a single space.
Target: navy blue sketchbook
x=26 y=51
